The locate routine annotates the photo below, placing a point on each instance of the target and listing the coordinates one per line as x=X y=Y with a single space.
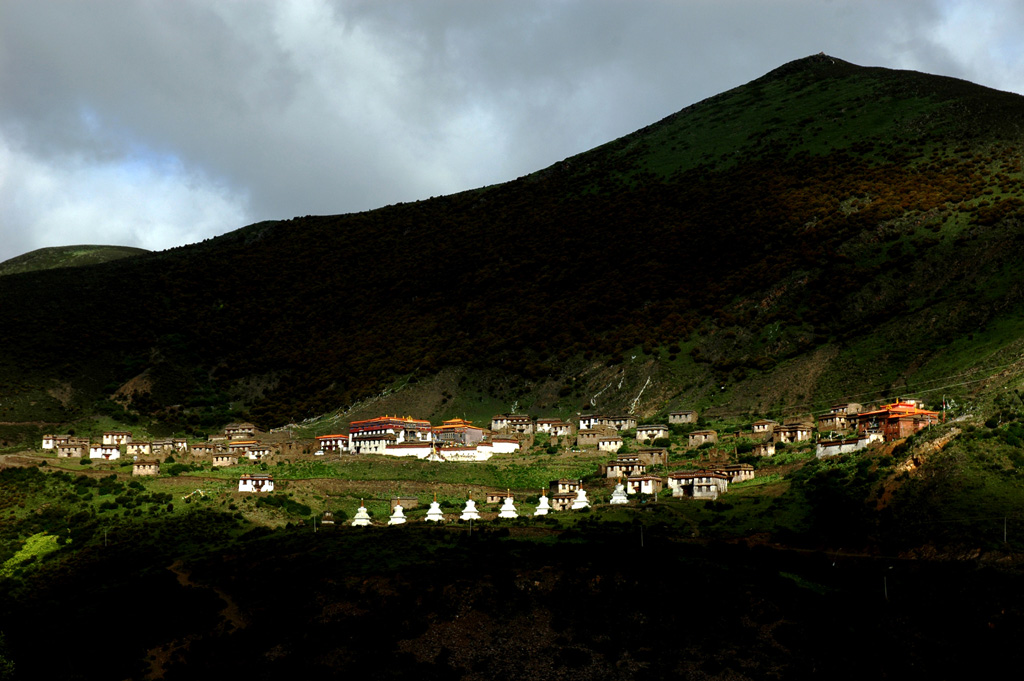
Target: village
x=641 y=451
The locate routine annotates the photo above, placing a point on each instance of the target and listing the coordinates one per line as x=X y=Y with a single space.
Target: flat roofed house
x=675 y=417
x=72 y=449
x=564 y=486
x=554 y=427
x=764 y=427
x=259 y=452
x=792 y=432
x=137 y=449
x=145 y=468
x=256 y=483
x=700 y=484
x=840 y=417
x=50 y=441
x=653 y=456
x=241 y=431
x=620 y=423
x=332 y=443
x=498 y=497
x=700 y=437
x=117 y=437
x=736 y=472
x=609 y=444
x=240 y=447
x=372 y=443
x=624 y=467
x=643 y=484
x=562 y=501
x=203 y=449
x=460 y=431
x=161 y=446
x=512 y=423
x=108 y=452
x=764 y=449
x=224 y=459
x=651 y=432
x=589 y=437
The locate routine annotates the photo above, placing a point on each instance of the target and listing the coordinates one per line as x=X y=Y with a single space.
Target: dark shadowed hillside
x=823 y=231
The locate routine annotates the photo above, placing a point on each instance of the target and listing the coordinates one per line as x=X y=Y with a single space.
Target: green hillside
x=824 y=232
x=66 y=256
x=827 y=232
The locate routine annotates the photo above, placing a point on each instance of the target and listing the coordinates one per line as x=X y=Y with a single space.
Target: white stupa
x=508 y=509
x=544 y=506
x=581 y=499
x=434 y=512
x=362 y=518
x=619 y=495
x=397 y=516
x=470 y=512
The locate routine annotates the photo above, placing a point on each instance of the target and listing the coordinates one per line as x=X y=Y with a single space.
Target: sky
x=160 y=123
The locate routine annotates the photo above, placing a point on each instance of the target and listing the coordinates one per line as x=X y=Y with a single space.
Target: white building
x=104 y=451
x=256 y=483
x=420 y=450
x=116 y=437
x=651 y=432
x=332 y=443
x=643 y=484
x=504 y=445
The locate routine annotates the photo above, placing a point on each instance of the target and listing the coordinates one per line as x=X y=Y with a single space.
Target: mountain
x=825 y=232
x=66 y=256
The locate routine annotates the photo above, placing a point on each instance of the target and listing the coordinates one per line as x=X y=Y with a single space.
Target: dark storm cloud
x=155 y=124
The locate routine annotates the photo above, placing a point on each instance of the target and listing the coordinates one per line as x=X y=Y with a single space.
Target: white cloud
x=270 y=109
x=146 y=202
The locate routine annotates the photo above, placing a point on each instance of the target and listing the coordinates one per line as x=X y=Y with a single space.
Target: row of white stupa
x=507 y=510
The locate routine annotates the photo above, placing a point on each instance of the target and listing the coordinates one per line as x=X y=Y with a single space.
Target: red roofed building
x=897 y=420
x=405 y=429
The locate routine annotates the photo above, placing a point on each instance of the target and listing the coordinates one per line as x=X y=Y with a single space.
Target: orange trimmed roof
x=898 y=409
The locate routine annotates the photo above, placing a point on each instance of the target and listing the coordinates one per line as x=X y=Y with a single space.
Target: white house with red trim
x=256 y=483
x=337 y=443
x=99 y=450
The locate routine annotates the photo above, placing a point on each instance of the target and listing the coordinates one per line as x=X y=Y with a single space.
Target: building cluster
x=402 y=436
x=844 y=428
x=705 y=483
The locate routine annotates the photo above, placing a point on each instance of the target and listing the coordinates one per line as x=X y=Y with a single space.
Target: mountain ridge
x=758 y=229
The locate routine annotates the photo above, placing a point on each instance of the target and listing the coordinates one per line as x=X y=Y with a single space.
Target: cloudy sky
x=159 y=123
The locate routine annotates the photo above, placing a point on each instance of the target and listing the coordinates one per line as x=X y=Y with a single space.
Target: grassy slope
x=66 y=256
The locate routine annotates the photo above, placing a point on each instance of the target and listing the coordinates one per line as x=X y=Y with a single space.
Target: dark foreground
x=434 y=603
